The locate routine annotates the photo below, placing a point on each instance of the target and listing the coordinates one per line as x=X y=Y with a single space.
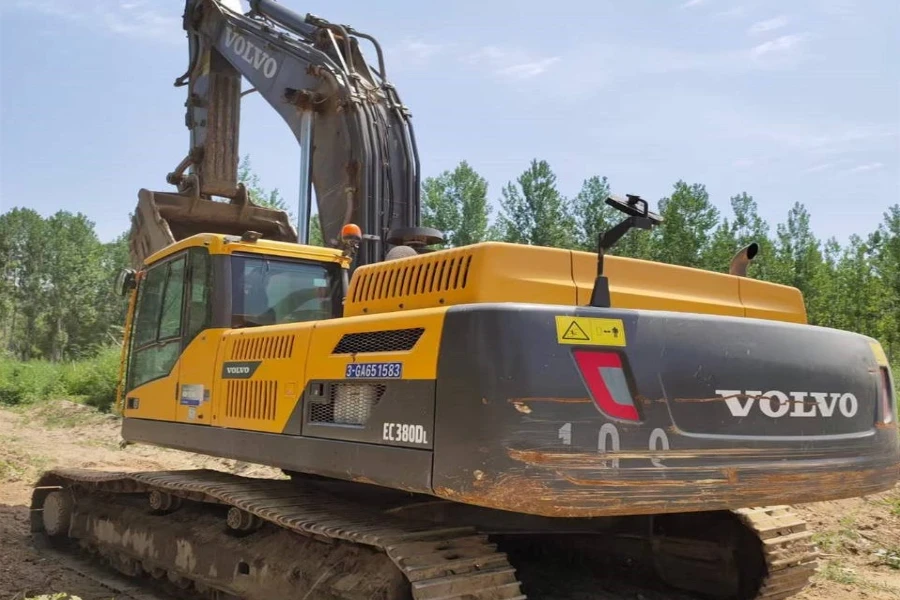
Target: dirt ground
x=859 y=538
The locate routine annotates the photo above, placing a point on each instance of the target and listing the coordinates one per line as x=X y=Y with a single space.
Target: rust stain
x=636 y=483
x=683 y=490
x=548 y=399
x=790 y=401
x=522 y=407
x=648 y=401
x=593 y=459
x=731 y=474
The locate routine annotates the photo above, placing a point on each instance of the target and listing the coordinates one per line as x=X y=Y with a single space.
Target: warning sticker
x=590 y=331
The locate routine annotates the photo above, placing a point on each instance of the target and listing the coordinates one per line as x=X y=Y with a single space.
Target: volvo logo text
x=256 y=57
x=777 y=404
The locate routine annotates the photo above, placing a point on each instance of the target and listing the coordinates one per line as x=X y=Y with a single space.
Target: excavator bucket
x=163 y=218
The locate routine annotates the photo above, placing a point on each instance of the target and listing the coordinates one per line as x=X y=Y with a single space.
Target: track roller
x=161 y=502
x=57 y=514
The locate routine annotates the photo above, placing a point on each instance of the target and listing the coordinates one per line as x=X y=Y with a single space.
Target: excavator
x=492 y=421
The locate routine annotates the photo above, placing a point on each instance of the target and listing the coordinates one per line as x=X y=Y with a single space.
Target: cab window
x=199 y=304
x=157 y=329
x=269 y=291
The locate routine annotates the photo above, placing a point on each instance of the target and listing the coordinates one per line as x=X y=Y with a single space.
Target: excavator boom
x=358 y=151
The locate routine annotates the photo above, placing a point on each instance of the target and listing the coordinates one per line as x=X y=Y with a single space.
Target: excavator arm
x=358 y=150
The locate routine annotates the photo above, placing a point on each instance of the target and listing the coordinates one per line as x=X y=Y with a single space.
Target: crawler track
x=287 y=538
x=789 y=554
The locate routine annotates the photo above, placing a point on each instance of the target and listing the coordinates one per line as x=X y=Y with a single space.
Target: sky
x=786 y=100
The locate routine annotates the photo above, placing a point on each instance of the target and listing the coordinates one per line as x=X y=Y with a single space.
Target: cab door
x=197 y=366
x=173 y=350
x=156 y=342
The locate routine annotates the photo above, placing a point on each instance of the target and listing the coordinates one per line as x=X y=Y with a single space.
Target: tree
x=455 y=203
x=272 y=199
x=56 y=290
x=592 y=214
x=685 y=234
x=534 y=212
x=731 y=236
x=797 y=254
x=316 y=238
x=886 y=262
x=22 y=233
x=258 y=194
x=73 y=281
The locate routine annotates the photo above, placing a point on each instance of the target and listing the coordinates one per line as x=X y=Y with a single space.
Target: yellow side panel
x=418 y=363
x=771 y=301
x=197 y=374
x=487 y=272
x=265 y=400
x=156 y=399
x=500 y=272
x=642 y=284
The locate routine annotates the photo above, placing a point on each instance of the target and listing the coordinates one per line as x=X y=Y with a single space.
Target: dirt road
x=859 y=538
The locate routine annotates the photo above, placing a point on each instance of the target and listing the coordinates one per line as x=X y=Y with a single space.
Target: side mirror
x=126 y=281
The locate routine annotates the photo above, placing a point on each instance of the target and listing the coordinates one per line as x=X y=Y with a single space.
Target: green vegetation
x=836 y=541
x=836 y=571
x=889 y=557
x=894 y=506
x=91 y=380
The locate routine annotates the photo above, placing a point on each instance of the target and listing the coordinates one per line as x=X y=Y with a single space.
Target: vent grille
x=393 y=340
x=346 y=404
x=251 y=399
x=263 y=347
x=425 y=276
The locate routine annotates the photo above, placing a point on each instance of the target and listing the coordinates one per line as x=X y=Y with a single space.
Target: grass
x=91 y=381
x=889 y=557
x=16 y=467
x=893 y=505
x=836 y=571
x=834 y=541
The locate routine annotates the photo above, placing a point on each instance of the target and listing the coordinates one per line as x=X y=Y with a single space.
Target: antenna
x=638 y=217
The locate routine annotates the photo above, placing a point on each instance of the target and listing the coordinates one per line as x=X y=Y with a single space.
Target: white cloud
x=867 y=167
x=529 y=69
x=733 y=12
x=692 y=3
x=140 y=19
x=824 y=144
x=513 y=63
x=768 y=25
x=786 y=50
x=417 y=52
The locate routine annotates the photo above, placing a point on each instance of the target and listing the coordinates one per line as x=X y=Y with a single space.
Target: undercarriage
x=220 y=536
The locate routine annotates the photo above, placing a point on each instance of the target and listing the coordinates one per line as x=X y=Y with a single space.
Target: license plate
x=382 y=370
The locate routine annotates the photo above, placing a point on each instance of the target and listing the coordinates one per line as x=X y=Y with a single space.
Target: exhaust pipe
x=742 y=260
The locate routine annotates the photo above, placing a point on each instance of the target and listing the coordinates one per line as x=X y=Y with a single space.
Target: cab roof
x=228 y=244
